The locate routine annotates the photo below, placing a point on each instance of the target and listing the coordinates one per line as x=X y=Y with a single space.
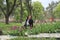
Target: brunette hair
x=28 y=16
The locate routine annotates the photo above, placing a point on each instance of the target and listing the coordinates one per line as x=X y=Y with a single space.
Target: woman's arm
x=31 y=23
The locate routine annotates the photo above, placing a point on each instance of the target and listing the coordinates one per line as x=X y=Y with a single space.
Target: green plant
x=39 y=28
x=33 y=38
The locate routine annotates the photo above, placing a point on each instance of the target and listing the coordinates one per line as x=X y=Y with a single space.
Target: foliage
x=6 y=28
x=46 y=28
x=25 y=11
x=15 y=28
x=37 y=10
x=33 y=38
x=57 y=11
x=17 y=14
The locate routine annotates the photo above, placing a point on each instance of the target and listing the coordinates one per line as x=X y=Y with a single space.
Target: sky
x=45 y=2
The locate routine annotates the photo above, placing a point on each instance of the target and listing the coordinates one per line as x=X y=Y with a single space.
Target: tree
x=57 y=11
x=29 y=7
x=21 y=11
x=37 y=10
x=9 y=9
x=51 y=8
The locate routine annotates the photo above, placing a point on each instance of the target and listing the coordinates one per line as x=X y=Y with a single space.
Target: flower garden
x=15 y=29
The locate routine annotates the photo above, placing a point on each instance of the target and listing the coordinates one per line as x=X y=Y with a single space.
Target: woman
x=29 y=22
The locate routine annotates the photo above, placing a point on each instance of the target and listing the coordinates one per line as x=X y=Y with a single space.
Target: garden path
x=41 y=35
x=49 y=35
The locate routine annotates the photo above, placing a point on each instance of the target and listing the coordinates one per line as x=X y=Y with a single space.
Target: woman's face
x=29 y=17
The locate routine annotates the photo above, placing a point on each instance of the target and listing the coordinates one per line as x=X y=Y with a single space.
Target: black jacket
x=30 y=23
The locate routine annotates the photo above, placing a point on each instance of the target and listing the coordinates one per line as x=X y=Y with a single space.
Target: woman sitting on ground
x=29 y=22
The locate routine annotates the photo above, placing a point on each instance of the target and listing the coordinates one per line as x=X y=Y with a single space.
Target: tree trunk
x=29 y=10
x=29 y=7
x=21 y=12
x=7 y=19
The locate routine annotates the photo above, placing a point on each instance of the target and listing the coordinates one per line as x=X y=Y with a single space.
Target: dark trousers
x=1 y=33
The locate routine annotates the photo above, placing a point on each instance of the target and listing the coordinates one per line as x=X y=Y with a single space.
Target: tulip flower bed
x=16 y=30
x=46 y=28
x=7 y=28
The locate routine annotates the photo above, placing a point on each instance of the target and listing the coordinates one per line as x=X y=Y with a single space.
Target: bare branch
x=2 y=10
x=12 y=7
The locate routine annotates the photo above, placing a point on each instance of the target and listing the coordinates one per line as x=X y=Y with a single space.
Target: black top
x=30 y=23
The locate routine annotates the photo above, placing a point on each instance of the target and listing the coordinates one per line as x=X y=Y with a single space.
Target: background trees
x=57 y=11
x=35 y=9
x=29 y=7
x=52 y=10
x=20 y=9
